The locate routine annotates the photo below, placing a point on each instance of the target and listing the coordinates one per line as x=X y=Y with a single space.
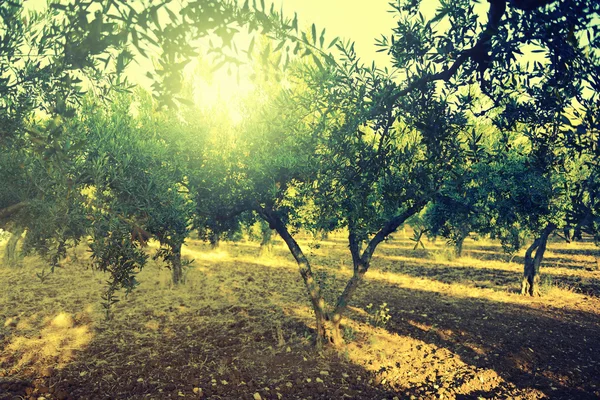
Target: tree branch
x=389 y=228
x=478 y=53
x=9 y=211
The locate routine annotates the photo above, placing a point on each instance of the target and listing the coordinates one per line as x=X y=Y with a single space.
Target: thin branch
x=389 y=228
x=9 y=211
x=479 y=52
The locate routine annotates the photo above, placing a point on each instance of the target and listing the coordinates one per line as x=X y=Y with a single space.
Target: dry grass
x=458 y=326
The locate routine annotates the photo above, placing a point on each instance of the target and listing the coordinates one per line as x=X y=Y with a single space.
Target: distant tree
x=547 y=94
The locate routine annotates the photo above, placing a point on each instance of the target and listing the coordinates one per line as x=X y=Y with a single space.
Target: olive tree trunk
x=329 y=324
x=10 y=251
x=176 y=268
x=531 y=271
x=312 y=286
x=214 y=240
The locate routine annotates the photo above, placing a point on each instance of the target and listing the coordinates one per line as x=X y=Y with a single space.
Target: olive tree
x=135 y=180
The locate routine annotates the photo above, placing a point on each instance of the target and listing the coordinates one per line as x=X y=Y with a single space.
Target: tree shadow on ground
x=229 y=328
x=532 y=346
x=553 y=350
x=497 y=279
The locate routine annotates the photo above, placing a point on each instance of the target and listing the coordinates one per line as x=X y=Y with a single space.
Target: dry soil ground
x=241 y=327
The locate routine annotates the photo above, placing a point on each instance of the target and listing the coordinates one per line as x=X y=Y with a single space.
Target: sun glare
x=223 y=92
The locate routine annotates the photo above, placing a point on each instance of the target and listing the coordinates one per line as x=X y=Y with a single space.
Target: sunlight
x=55 y=345
x=222 y=92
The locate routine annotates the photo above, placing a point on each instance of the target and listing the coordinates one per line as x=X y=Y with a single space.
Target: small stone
x=324 y=373
x=170 y=387
x=257 y=396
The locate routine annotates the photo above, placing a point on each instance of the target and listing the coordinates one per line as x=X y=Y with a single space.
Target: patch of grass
x=349 y=334
x=442 y=255
x=553 y=288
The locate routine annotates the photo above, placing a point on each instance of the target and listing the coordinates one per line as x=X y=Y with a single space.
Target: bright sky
x=358 y=20
x=361 y=21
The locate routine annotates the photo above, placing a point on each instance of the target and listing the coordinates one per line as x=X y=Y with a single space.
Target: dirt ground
x=241 y=327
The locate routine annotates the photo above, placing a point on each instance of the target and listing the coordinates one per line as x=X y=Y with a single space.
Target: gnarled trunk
x=329 y=325
x=342 y=303
x=531 y=271
x=214 y=240
x=312 y=286
x=10 y=251
x=176 y=268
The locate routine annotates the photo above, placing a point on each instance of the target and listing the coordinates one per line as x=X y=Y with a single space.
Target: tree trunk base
x=11 y=253
x=328 y=335
x=530 y=286
x=176 y=267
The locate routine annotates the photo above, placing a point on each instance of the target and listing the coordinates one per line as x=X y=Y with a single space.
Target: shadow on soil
x=552 y=350
x=254 y=343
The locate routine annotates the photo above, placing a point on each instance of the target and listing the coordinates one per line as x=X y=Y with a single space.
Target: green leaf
x=333 y=42
x=565 y=120
x=322 y=38
x=251 y=47
x=318 y=62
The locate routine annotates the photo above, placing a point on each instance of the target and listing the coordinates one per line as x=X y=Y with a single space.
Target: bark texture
x=531 y=271
x=176 y=268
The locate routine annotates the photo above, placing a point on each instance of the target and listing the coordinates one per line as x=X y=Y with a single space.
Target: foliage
x=334 y=145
